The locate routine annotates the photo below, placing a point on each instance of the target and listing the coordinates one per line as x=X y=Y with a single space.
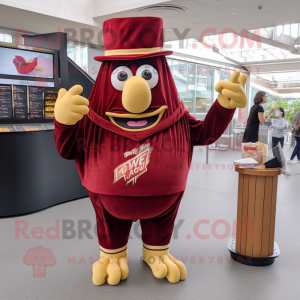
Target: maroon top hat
x=132 y=38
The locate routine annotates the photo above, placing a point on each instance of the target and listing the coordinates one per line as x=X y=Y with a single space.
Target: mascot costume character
x=126 y=140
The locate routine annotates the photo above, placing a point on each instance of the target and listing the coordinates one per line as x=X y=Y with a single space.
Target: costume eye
x=122 y=76
x=148 y=73
x=119 y=77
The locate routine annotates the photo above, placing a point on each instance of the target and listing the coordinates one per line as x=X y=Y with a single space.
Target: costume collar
x=137 y=136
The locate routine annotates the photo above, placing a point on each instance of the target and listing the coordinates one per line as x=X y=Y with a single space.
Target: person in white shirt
x=278 y=127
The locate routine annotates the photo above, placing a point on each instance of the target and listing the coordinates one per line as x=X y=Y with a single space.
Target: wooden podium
x=254 y=242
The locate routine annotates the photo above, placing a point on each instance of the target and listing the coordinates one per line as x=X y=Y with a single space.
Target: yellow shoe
x=112 y=266
x=163 y=264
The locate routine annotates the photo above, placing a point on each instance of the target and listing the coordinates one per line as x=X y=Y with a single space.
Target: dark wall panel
x=32 y=174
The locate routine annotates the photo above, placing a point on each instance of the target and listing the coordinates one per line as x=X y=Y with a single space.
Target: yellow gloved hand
x=70 y=107
x=232 y=93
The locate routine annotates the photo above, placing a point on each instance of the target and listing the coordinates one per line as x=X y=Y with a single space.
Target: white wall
x=28 y=21
x=74 y=10
x=81 y=11
x=105 y=7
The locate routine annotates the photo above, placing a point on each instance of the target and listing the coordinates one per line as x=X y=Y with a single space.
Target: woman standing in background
x=297 y=138
x=256 y=117
x=278 y=126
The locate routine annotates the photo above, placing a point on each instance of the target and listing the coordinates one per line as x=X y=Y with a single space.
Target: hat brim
x=132 y=56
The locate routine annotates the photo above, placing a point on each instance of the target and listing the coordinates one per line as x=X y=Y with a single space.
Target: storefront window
x=294 y=30
x=184 y=77
x=7 y=38
x=204 y=88
x=225 y=74
x=79 y=54
x=170 y=63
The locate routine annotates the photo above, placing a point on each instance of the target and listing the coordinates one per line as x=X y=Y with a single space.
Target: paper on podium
x=246 y=162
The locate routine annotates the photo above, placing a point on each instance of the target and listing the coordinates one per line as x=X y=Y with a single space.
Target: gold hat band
x=132 y=51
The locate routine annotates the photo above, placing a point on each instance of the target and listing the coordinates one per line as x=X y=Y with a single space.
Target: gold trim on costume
x=156 y=247
x=132 y=51
x=158 y=112
x=113 y=251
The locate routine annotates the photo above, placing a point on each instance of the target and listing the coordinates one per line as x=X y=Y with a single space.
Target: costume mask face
x=136 y=82
x=134 y=89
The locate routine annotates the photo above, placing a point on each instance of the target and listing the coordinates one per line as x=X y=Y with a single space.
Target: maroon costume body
x=137 y=175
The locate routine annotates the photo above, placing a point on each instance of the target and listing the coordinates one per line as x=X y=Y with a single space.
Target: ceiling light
x=234 y=13
x=219 y=2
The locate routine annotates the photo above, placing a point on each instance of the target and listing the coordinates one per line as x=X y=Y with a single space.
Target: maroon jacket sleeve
x=208 y=131
x=66 y=139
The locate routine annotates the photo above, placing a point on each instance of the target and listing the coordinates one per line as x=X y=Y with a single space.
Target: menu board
x=5 y=102
x=36 y=104
x=50 y=96
x=20 y=102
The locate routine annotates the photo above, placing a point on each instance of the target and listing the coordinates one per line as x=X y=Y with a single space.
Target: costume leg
x=113 y=236
x=156 y=235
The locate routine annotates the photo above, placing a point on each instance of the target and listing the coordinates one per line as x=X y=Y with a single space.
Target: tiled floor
x=211 y=194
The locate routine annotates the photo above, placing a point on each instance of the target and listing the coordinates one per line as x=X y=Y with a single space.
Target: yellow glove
x=231 y=93
x=70 y=107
